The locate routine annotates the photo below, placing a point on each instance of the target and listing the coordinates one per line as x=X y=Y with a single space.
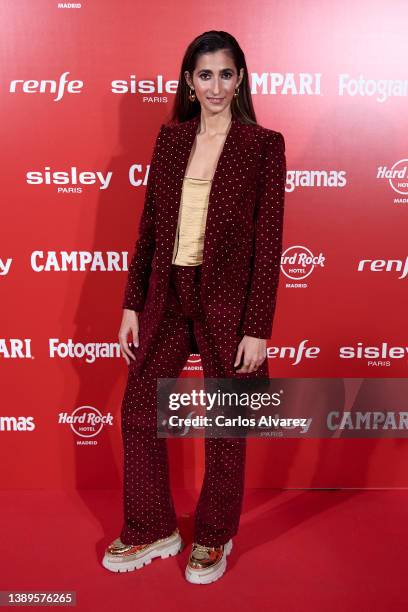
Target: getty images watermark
x=282 y=407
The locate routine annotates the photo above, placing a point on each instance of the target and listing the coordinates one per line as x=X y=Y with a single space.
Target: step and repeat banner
x=84 y=89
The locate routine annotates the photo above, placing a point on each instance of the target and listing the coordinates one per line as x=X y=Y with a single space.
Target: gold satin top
x=189 y=242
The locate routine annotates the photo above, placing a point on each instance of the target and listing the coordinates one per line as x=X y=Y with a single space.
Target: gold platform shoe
x=120 y=557
x=207 y=563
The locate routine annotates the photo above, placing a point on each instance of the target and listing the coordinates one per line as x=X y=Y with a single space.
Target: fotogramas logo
x=17 y=423
x=315 y=179
x=397 y=177
x=88 y=352
x=87 y=423
x=378 y=89
x=297 y=264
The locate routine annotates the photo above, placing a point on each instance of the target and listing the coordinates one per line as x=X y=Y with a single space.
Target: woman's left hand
x=254 y=354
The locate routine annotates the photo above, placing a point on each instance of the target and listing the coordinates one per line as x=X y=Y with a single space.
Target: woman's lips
x=215 y=100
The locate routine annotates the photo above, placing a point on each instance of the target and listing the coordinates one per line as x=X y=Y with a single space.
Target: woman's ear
x=188 y=79
x=241 y=76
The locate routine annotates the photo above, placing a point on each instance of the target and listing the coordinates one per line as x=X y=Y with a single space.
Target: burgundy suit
x=208 y=310
x=243 y=235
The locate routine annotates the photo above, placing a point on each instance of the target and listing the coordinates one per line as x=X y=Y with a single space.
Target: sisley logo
x=314 y=178
x=384 y=265
x=5 y=265
x=296 y=353
x=15 y=348
x=397 y=178
x=47 y=86
x=158 y=87
x=79 y=261
x=376 y=356
x=298 y=262
x=68 y=177
x=86 y=422
x=13 y=423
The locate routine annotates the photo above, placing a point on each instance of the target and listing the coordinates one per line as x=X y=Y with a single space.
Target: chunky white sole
x=168 y=548
x=205 y=576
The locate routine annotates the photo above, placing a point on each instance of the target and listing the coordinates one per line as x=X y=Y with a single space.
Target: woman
x=215 y=174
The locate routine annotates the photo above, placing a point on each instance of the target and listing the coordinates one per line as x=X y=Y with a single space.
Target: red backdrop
x=84 y=89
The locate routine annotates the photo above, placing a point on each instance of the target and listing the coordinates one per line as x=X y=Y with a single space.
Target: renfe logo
x=47 y=86
x=384 y=265
x=294 y=352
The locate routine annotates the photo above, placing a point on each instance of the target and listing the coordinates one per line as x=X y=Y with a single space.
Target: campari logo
x=15 y=348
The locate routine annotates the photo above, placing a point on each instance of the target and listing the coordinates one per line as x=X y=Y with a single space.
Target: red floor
x=296 y=550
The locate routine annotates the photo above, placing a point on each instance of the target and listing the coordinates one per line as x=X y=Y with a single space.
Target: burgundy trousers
x=149 y=511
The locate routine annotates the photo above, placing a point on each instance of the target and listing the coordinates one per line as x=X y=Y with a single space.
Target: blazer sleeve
x=261 y=301
x=141 y=264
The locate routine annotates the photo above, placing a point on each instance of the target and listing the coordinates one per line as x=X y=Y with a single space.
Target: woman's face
x=215 y=79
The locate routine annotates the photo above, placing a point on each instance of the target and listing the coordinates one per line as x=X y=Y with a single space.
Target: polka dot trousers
x=149 y=511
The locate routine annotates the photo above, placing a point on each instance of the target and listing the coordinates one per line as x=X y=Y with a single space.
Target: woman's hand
x=130 y=324
x=254 y=352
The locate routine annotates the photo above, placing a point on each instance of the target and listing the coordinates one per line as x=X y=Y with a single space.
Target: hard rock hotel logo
x=86 y=422
x=297 y=264
x=397 y=178
x=194 y=363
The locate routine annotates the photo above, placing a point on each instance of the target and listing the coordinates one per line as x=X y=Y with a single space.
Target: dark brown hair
x=209 y=42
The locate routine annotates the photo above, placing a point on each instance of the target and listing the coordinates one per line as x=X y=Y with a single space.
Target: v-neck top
x=189 y=241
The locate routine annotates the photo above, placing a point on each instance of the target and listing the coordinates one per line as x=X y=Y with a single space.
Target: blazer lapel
x=184 y=140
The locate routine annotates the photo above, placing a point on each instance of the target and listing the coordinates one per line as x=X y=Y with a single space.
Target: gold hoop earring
x=236 y=92
x=191 y=95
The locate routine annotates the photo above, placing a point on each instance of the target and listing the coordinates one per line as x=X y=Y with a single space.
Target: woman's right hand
x=130 y=324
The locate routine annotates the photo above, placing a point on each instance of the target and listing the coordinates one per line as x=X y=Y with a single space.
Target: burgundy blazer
x=243 y=235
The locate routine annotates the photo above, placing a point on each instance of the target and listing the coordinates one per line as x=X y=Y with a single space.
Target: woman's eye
x=227 y=75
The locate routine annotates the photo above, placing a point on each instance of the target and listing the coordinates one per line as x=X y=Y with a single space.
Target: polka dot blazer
x=243 y=235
